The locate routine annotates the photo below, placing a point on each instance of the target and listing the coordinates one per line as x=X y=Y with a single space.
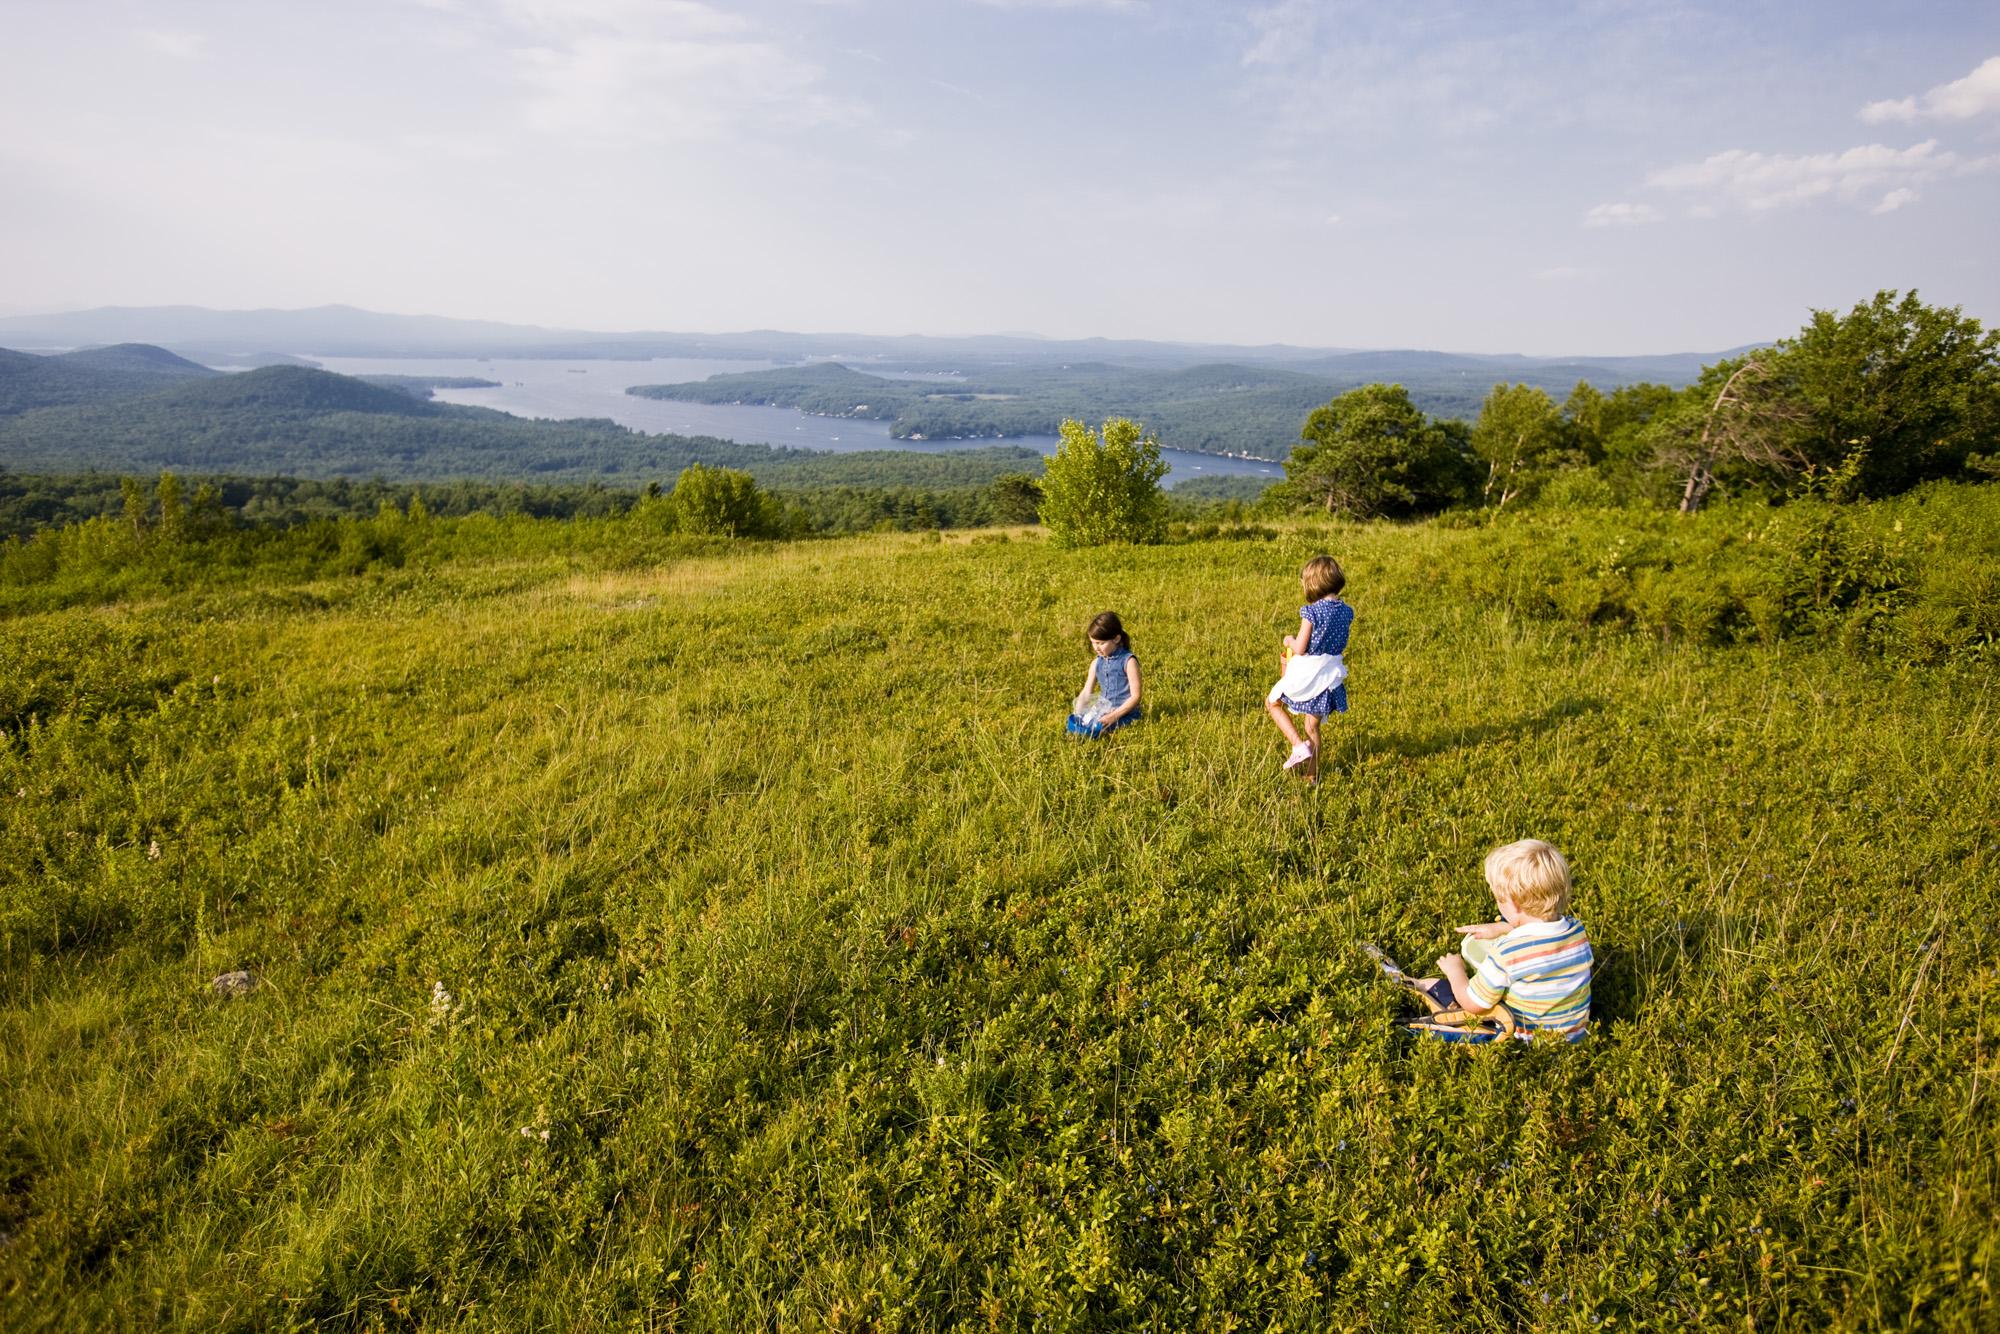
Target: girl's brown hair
x=1106 y=625
x=1322 y=578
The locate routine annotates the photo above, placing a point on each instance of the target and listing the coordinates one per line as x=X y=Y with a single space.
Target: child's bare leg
x=1311 y=766
x=1283 y=718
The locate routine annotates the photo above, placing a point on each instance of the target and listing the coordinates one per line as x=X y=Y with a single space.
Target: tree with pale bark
x=1521 y=438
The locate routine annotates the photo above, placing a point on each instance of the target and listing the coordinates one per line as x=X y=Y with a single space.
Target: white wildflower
x=441 y=1003
x=153 y=851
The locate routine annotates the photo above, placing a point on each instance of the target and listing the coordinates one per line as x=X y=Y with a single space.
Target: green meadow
x=701 y=935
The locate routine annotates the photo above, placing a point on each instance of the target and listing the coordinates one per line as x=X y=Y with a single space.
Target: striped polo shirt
x=1542 y=971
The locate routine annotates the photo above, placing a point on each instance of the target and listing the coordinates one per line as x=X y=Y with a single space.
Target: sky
x=1584 y=178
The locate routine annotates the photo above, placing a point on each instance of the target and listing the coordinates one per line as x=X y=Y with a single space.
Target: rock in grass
x=239 y=983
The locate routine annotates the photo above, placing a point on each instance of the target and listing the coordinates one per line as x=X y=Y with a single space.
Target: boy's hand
x=1452 y=967
x=1485 y=930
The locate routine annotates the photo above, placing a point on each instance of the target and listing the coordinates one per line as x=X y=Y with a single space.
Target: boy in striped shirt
x=1536 y=959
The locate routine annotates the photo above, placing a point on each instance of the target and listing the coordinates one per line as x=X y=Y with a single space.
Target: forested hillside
x=1217 y=408
x=94 y=375
x=301 y=422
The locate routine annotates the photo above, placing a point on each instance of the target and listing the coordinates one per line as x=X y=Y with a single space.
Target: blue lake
x=533 y=387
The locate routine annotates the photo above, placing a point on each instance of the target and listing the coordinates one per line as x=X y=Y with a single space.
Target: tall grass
x=732 y=939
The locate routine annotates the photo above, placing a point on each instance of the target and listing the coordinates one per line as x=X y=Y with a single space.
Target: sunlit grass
x=799 y=971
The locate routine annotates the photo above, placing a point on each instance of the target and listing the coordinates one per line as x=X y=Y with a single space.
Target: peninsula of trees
x=1221 y=408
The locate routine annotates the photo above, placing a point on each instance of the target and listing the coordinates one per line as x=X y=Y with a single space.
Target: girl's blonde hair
x=1531 y=875
x=1322 y=578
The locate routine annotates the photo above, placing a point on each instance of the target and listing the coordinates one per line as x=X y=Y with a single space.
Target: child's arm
x=1453 y=969
x=1485 y=930
x=1474 y=994
x=1089 y=681
x=1301 y=641
x=1131 y=700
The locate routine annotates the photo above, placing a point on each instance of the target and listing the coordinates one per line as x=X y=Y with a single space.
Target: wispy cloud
x=1975 y=95
x=1620 y=215
x=1744 y=181
x=1113 y=6
x=475 y=148
x=1286 y=33
x=652 y=70
x=179 y=45
x=1333 y=67
x=1359 y=69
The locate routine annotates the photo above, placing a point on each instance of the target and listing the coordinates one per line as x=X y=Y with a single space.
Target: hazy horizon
x=1595 y=178
x=10 y=314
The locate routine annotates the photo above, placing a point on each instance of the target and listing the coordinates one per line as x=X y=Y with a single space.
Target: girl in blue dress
x=1111 y=688
x=1314 y=680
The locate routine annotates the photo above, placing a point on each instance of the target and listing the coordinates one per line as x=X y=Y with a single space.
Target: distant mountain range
x=252 y=337
x=206 y=334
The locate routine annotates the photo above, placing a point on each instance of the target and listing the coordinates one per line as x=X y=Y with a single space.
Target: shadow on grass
x=1626 y=980
x=1460 y=738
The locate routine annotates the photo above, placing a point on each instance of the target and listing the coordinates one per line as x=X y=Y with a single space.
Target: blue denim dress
x=1116 y=688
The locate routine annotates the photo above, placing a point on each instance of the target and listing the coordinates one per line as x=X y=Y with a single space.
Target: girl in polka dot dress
x=1314 y=680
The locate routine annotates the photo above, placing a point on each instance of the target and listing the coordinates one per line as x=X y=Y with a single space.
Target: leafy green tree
x=1099 y=489
x=1015 y=497
x=1901 y=391
x=1372 y=452
x=1608 y=431
x=722 y=502
x=1584 y=412
x=133 y=497
x=1738 y=422
x=1520 y=436
x=173 y=508
x=206 y=516
x=1912 y=389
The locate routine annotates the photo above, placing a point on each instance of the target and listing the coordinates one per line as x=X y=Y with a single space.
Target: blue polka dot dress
x=1331 y=620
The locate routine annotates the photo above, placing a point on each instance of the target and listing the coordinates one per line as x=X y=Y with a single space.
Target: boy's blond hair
x=1531 y=875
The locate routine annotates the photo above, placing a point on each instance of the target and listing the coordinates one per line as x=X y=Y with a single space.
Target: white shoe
x=1300 y=754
